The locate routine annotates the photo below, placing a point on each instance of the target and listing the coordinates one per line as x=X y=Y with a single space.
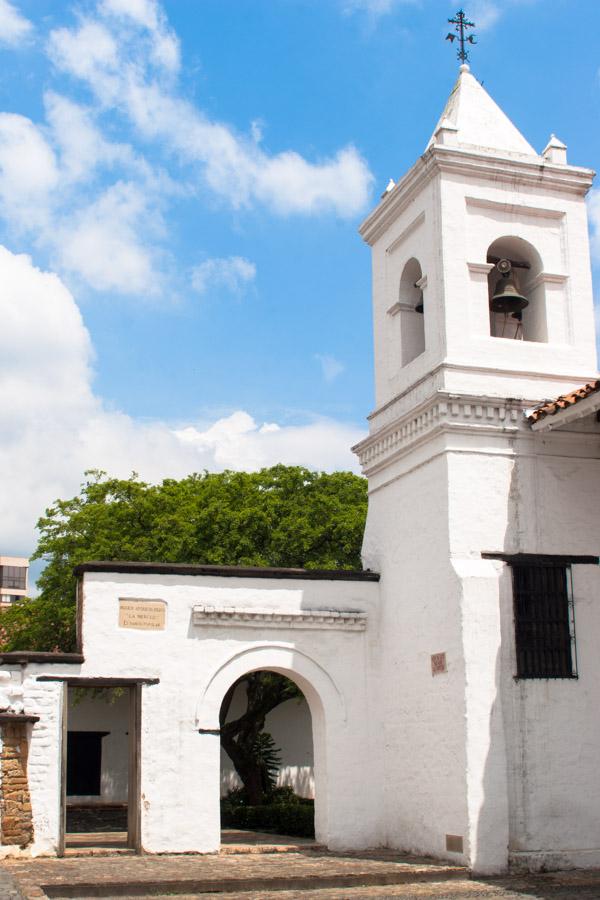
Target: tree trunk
x=245 y=764
x=264 y=692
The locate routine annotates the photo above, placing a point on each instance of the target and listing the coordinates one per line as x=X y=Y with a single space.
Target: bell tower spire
x=481 y=272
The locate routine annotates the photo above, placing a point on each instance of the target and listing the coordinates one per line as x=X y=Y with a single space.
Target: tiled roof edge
x=552 y=407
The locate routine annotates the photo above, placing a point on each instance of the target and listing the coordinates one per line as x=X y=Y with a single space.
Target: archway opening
x=518 y=264
x=267 y=780
x=412 y=312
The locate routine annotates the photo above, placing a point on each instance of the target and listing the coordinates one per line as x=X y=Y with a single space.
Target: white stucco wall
x=554 y=764
x=21 y=692
x=422 y=731
x=533 y=766
x=195 y=664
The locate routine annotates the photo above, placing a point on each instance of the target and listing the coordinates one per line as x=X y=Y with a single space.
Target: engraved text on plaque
x=147 y=615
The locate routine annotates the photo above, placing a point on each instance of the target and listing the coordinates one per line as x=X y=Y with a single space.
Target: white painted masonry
x=455 y=471
x=404 y=757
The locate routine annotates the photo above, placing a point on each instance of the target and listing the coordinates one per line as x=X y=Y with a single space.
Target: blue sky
x=186 y=180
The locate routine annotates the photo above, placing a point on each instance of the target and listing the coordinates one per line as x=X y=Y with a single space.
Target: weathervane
x=462 y=23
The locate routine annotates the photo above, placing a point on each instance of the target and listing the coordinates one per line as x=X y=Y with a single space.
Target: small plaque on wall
x=145 y=615
x=438 y=663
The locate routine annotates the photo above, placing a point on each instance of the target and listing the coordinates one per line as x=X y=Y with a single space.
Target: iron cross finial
x=461 y=23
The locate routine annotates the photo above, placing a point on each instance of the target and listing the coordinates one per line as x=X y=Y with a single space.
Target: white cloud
x=330 y=366
x=90 y=53
x=14 y=27
x=101 y=244
x=485 y=13
x=231 y=273
x=80 y=143
x=28 y=173
x=96 y=207
x=105 y=235
x=374 y=8
x=238 y=442
x=149 y=15
x=121 y=73
x=53 y=426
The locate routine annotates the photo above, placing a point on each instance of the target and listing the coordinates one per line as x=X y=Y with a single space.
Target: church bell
x=507 y=298
x=419 y=306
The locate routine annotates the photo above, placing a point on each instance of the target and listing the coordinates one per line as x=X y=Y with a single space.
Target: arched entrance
x=322 y=697
x=267 y=760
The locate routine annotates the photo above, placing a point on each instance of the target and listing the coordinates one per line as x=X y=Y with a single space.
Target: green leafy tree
x=281 y=516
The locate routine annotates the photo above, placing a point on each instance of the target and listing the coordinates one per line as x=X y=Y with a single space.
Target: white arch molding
x=325 y=701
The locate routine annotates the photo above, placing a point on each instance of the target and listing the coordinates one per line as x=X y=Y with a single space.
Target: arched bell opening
x=412 y=312
x=267 y=758
x=516 y=295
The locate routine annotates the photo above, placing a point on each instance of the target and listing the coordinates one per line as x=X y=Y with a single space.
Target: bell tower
x=480 y=197
x=482 y=308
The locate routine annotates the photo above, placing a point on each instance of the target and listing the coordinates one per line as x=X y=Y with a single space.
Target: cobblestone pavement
x=247 y=876
x=260 y=873
x=454 y=890
x=8 y=888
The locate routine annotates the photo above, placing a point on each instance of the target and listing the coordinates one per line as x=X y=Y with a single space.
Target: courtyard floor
x=258 y=867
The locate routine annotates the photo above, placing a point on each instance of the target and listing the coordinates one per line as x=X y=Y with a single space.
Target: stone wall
x=15 y=801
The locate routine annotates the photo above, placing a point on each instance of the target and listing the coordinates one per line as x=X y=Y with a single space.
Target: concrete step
x=394 y=874
x=279 y=847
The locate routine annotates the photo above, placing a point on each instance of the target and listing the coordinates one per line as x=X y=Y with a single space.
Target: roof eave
x=127 y=567
x=579 y=410
x=532 y=171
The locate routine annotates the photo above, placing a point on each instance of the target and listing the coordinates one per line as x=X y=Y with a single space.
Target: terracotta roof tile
x=551 y=407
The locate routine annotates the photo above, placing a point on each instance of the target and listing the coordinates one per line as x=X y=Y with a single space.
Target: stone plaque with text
x=145 y=615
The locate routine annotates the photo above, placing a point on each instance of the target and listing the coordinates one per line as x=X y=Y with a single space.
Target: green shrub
x=285 y=814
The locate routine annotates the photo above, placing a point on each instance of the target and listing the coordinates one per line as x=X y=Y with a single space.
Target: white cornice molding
x=546 y=278
x=395 y=308
x=254 y=617
x=444 y=412
x=534 y=172
x=394 y=203
x=480 y=268
x=566 y=379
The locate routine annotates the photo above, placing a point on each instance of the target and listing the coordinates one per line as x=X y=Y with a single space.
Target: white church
x=453 y=684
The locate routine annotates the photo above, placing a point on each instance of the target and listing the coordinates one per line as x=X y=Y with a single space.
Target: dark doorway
x=84 y=762
x=101 y=766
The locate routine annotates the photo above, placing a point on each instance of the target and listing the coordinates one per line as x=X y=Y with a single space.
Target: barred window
x=544 y=621
x=14 y=577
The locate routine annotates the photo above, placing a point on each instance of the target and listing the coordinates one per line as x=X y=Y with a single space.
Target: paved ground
x=8 y=887
x=259 y=873
x=302 y=873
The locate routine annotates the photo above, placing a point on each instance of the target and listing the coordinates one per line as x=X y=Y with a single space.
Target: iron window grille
x=544 y=620
x=14 y=577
